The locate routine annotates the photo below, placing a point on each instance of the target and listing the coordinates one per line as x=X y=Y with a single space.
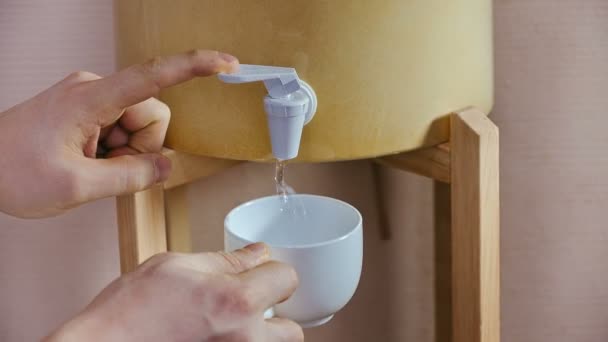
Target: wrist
x=84 y=327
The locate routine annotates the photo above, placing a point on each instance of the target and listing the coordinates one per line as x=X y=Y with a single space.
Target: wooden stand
x=467 y=235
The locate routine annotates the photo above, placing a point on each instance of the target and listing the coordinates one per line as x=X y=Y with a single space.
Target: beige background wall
x=552 y=80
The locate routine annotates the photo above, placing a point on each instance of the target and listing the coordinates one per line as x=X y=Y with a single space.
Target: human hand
x=209 y=297
x=49 y=144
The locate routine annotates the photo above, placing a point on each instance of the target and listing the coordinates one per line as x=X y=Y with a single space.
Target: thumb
x=126 y=174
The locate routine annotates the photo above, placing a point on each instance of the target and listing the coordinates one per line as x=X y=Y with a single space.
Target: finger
x=269 y=283
x=235 y=262
x=121 y=151
x=283 y=330
x=140 y=82
x=105 y=131
x=123 y=175
x=147 y=124
x=117 y=137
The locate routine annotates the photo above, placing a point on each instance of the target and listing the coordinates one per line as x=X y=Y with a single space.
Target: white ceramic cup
x=325 y=246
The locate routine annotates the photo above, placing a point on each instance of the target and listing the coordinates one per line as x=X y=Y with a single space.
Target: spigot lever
x=279 y=81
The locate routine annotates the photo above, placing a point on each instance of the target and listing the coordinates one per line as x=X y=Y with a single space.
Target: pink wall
x=551 y=83
x=50 y=268
x=552 y=87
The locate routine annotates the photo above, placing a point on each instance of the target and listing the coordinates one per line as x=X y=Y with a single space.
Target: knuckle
x=158 y=264
x=234 y=301
x=82 y=76
x=151 y=70
x=243 y=304
x=150 y=73
x=153 y=64
x=209 y=57
x=199 y=53
x=162 y=258
x=232 y=261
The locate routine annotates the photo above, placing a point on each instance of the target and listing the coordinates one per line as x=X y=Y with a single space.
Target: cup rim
x=351 y=231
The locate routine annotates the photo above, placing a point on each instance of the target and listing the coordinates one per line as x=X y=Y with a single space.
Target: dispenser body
x=386 y=73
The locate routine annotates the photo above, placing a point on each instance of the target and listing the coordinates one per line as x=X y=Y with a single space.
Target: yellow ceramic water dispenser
x=385 y=72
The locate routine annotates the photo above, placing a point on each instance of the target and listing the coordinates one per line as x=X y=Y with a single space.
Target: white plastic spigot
x=290 y=104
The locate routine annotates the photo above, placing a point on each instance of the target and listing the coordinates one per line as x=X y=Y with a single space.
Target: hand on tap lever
x=89 y=137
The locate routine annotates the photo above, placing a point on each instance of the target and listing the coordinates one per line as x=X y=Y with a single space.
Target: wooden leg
x=475 y=228
x=141 y=227
x=383 y=222
x=443 y=262
x=178 y=225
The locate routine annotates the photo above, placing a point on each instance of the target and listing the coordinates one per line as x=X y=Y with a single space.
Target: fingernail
x=228 y=58
x=259 y=249
x=163 y=168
